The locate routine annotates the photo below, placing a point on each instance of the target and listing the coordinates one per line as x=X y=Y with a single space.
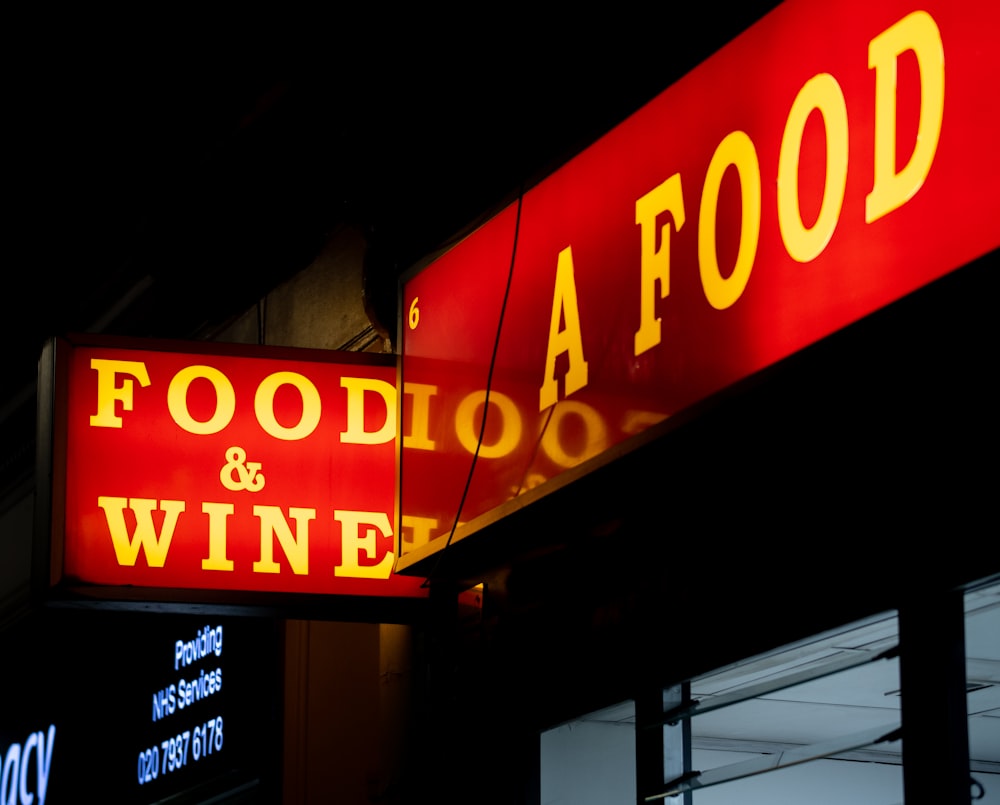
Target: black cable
x=486 y=398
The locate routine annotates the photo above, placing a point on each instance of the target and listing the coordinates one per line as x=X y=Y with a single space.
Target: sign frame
x=51 y=586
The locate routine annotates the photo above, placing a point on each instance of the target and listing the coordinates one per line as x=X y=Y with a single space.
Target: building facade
x=781 y=587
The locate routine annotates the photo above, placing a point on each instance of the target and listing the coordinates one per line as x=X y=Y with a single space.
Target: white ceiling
x=784 y=726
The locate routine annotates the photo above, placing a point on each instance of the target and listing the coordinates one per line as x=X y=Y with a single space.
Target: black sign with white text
x=137 y=707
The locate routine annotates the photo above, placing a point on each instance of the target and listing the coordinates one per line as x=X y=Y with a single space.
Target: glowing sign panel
x=243 y=469
x=829 y=161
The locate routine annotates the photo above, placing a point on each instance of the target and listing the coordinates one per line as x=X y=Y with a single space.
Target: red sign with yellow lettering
x=832 y=159
x=238 y=468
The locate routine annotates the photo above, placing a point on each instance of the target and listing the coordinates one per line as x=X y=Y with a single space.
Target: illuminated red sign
x=832 y=159
x=238 y=468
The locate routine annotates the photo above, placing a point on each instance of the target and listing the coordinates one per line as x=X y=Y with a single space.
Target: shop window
x=817 y=722
x=982 y=674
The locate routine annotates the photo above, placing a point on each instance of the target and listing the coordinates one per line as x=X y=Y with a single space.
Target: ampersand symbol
x=246 y=472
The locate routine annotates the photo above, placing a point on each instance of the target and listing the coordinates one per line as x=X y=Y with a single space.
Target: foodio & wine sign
x=240 y=469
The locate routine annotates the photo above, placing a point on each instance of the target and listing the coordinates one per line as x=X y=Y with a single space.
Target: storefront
x=689 y=500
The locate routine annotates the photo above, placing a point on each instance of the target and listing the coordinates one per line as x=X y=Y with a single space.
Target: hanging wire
x=486 y=399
